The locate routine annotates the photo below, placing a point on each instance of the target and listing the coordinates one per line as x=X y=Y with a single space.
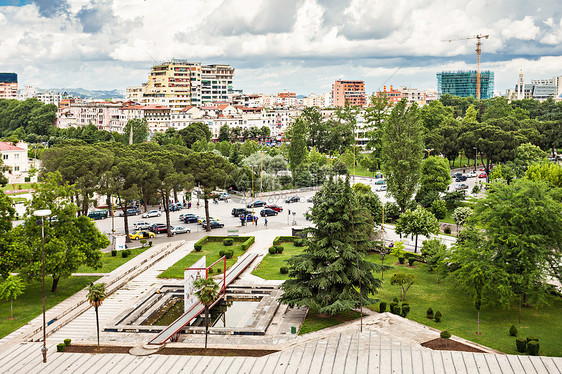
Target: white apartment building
x=104 y=115
x=46 y=97
x=15 y=158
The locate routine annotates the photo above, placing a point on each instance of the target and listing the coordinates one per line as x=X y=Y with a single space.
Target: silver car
x=141 y=225
x=152 y=213
x=179 y=230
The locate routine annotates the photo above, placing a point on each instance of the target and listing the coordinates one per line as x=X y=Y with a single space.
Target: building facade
x=463 y=83
x=8 y=86
x=348 y=92
x=15 y=159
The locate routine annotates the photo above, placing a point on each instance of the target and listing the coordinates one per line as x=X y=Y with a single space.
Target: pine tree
x=325 y=276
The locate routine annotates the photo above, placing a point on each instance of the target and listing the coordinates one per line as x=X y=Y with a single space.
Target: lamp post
x=261 y=176
x=43 y=213
x=428 y=150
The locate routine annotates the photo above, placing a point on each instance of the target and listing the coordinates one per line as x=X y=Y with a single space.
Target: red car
x=482 y=169
x=482 y=175
x=274 y=207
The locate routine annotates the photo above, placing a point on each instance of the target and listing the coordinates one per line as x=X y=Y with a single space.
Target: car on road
x=202 y=219
x=142 y=225
x=151 y=213
x=130 y=212
x=179 y=230
x=98 y=214
x=381 y=188
x=190 y=219
x=482 y=175
x=216 y=225
x=461 y=186
x=380 y=181
x=142 y=234
x=482 y=169
x=274 y=207
x=268 y=212
x=309 y=200
x=461 y=178
x=256 y=204
x=456 y=175
x=224 y=196
x=175 y=207
x=472 y=174
x=236 y=212
x=292 y=199
x=182 y=216
x=159 y=228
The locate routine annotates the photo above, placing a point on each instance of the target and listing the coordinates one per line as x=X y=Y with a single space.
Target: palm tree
x=96 y=295
x=207 y=293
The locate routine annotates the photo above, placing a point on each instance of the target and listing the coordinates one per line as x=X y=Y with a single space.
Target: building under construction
x=463 y=83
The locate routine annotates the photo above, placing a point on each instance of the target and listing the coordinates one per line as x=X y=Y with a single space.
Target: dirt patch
x=441 y=344
x=174 y=351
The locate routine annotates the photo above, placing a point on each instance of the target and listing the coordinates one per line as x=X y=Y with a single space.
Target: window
x=16 y=168
x=4 y=157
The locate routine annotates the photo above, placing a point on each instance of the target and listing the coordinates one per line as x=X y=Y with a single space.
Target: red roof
x=185 y=109
x=5 y=146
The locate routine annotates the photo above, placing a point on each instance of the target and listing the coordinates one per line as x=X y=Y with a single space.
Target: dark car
x=237 y=212
x=159 y=228
x=461 y=178
x=292 y=199
x=457 y=174
x=175 y=207
x=256 y=204
x=309 y=200
x=274 y=207
x=216 y=224
x=130 y=212
x=188 y=218
x=268 y=212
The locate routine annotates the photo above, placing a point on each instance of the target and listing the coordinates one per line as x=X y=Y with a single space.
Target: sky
x=275 y=45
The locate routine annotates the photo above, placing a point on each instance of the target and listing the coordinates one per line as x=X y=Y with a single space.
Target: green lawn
x=361 y=171
x=110 y=263
x=211 y=250
x=30 y=304
x=315 y=322
x=17 y=186
x=459 y=314
x=269 y=266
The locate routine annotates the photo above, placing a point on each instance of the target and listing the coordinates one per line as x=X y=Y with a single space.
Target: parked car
x=130 y=212
x=159 y=228
x=274 y=207
x=461 y=178
x=190 y=219
x=236 y=212
x=201 y=219
x=256 y=204
x=380 y=181
x=142 y=225
x=472 y=174
x=224 y=196
x=216 y=225
x=482 y=175
x=182 y=216
x=381 y=188
x=98 y=214
x=137 y=235
x=456 y=175
x=268 y=212
x=175 y=207
x=482 y=169
x=309 y=200
x=461 y=186
x=179 y=230
x=292 y=199
x=151 y=213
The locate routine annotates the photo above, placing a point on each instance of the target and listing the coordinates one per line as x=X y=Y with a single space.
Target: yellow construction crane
x=478 y=38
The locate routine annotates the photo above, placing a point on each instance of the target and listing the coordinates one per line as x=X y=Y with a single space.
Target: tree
x=547 y=172
x=297 y=148
x=434 y=252
x=96 y=295
x=235 y=156
x=224 y=133
x=207 y=291
x=10 y=289
x=375 y=115
x=8 y=259
x=331 y=275
x=435 y=174
x=417 y=222
x=461 y=214
x=369 y=200
x=194 y=132
x=317 y=128
x=402 y=152
x=140 y=130
x=404 y=281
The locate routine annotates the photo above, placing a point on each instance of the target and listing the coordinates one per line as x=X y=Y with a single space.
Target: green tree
x=235 y=156
x=417 y=222
x=375 y=115
x=461 y=214
x=439 y=209
x=317 y=128
x=96 y=295
x=369 y=201
x=331 y=275
x=404 y=281
x=194 y=132
x=297 y=148
x=249 y=147
x=207 y=292
x=402 y=152
x=10 y=289
x=435 y=174
x=434 y=253
x=140 y=130
x=548 y=172
x=224 y=133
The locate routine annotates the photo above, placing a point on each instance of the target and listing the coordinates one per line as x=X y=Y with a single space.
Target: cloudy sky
x=300 y=46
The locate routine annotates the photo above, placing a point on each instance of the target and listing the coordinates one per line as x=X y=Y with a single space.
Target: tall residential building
x=463 y=83
x=180 y=83
x=8 y=86
x=350 y=92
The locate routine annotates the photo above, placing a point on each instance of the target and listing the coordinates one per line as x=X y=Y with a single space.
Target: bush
x=299 y=242
x=143 y=242
x=395 y=300
x=279 y=249
x=219 y=270
x=210 y=271
x=405 y=309
x=125 y=253
x=532 y=338
x=281 y=239
x=395 y=308
x=222 y=252
x=533 y=348
x=513 y=330
x=447 y=230
x=272 y=250
x=439 y=209
x=438 y=316
x=411 y=261
x=401 y=260
x=67 y=342
x=229 y=254
x=521 y=345
x=284 y=270
x=113 y=253
x=475 y=189
x=61 y=347
x=150 y=243
x=228 y=242
x=429 y=313
x=445 y=334
x=198 y=246
x=382 y=307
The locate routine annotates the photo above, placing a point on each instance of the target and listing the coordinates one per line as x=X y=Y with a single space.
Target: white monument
x=197 y=270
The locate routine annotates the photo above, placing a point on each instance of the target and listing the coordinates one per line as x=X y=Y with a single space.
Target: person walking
x=255 y=220
x=265 y=222
x=242 y=219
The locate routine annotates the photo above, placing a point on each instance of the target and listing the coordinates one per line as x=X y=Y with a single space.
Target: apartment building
x=105 y=115
x=393 y=95
x=348 y=92
x=46 y=97
x=463 y=83
x=15 y=159
x=8 y=86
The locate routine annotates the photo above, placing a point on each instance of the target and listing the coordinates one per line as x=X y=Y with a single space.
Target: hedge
x=284 y=239
x=244 y=242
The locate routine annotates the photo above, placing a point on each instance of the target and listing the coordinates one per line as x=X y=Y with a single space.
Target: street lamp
x=43 y=213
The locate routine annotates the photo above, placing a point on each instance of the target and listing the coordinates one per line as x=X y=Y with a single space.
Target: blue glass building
x=463 y=83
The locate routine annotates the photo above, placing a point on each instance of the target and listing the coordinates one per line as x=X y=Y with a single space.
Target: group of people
x=254 y=219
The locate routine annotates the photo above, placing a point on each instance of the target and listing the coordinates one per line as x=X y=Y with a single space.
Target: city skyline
x=274 y=46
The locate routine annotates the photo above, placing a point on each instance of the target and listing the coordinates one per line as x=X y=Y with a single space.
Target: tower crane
x=478 y=38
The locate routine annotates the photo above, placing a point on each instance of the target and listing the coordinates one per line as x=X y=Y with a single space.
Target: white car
x=141 y=225
x=180 y=230
x=381 y=188
x=472 y=174
x=152 y=213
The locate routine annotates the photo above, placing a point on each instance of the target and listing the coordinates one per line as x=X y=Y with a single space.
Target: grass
x=110 y=263
x=459 y=314
x=315 y=322
x=269 y=266
x=17 y=186
x=361 y=171
x=16 y=200
x=30 y=304
x=211 y=250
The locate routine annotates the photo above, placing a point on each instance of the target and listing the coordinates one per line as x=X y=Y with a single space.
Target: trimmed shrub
x=401 y=260
x=221 y=252
x=125 y=253
x=445 y=334
x=67 y=342
x=395 y=308
x=219 y=270
x=532 y=338
x=143 y=242
x=279 y=249
x=429 y=313
x=395 y=300
x=281 y=239
x=438 y=316
x=513 y=330
x=272 y=250
x=61 y=347
x=299 y=242
x=150 y=243
x=229 y=254
x=113 y=253
x=521 y=345
x=411 y=261
x=248 y=242
x=228 y=242
x=382 y=307
x=198 y=246
x=533 y=348
x=284 y=270
x=405 y=309
x=447 y=230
